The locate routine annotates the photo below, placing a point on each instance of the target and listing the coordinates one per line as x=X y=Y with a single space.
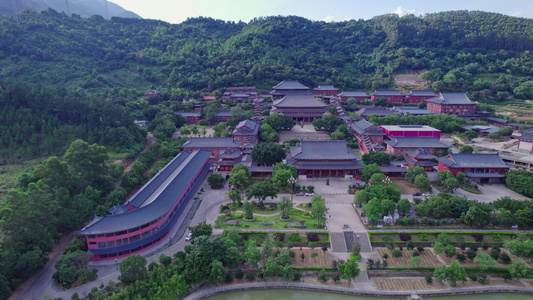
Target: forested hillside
x=72 y=71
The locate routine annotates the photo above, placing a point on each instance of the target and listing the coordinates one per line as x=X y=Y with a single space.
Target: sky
x=176 y=11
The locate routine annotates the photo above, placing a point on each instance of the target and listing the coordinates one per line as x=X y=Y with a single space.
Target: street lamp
x=387 y=181
x=292 y=181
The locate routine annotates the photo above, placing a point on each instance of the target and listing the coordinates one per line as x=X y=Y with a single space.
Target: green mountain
x=116 y=61
x=84 y=8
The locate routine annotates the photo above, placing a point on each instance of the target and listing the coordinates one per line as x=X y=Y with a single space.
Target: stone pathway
x=364 y=241
x=338 y=243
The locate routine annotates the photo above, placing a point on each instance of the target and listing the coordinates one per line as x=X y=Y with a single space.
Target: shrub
x=239 y=274
x=450 y=251
x=295 y=237
x=325 y=248
x=505 y=258
x=296 y=276
x=461 y=257
x=336 y=278
x=385 y=256
x=411 y=221
x=280 y=236
x=478 y=237
x=322 y=276
x=410 y=245
x=429 y=279
x=312 y=237
x=250 y=276
x=228 y=278
x=420 y=248
x=397 y=253
x=473 y=277
x=507 y=276
x=474 y=247
x=423 y=237
x=153 y=265
x=404 y=236
x=431 y=222
x=484 y=245
x=495 y=252
x=471 y=253
x=244 y=236
x=416 y=253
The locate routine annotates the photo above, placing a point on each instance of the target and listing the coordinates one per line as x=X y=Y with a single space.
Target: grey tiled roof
x=415 y=142
x=498 y=120
x=420 y=154
x=353 y=94
x=322 y=150
x=156 y=198
x=387 y=93
x=325 y=88
x=290 y=85
x=190 y=113
x=337 y=165
x=364 y=127
x=484 y=175
x=211 y=142
x=246 y=124
x=421 y=93
x=299 y=100
x=380 y=111
x=471 y=160
x=451 y=98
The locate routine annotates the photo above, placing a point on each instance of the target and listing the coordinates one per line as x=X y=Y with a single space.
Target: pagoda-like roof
x=211 y=142
x=322 y=150
x=246 y=127
x=290 y=85
x=380 y=111
x=299 y=100
x=421 y=153
x=156 y=198
x=451 y=98
x=475 y=161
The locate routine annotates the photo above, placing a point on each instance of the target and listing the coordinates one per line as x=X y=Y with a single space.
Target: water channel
x=274 y=294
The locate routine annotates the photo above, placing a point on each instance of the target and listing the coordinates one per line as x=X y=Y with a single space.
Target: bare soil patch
x=406 y=187
x=411 y=77
x=427 y=257
x=401 y=284
x=520 y=113
x=321 y=260
x=470 y=263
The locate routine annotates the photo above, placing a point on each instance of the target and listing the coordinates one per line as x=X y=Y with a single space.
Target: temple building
x=480 y=168
x=213 y=144
x=452 y=104
x=301 y=107
x=324 y=159
x=326 y=89
x=240 y=94
x=148 y=216
x=246 y=132
x=419 y=96
x=357 y=95
x=365 y=112
x=401 y=145
x=421 y=158
x=288 y=87
x=392 y=96
x=369 y=136
x=410 y=131
x=525 y=141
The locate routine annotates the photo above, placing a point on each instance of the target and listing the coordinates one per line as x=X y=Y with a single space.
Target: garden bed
x=402 y=284
x=299 y=219
x=470 y=263
x=299 y=239
x=427 y=256
x=492 y=238
x=321 y=259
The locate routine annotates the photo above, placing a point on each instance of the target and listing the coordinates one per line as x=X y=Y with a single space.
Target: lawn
x=405 y=187
x=270 y=222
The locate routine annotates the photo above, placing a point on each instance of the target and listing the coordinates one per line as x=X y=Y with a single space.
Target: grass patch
x=471 y=190
x=266 y=222
x=9 y=174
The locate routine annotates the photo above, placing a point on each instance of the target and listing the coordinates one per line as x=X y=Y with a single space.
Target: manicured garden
x=296 y=238
x=299 y=219
x=426 y=237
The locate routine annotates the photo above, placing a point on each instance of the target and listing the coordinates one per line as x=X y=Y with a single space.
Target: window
x=123 y=253
x=146 y=234
x=121 y=232
x=135 y=238
x=119 y=243
x=133 y=229
x=145 y=225
x=100 y=235
x=92 y=243
x=110 y=243
x=125 y=241
x=109 y=235
x=101 y=244
x=91 y=236
x=112 y=254
x=103 y=256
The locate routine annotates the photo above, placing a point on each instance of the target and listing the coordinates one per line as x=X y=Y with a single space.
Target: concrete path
x=349 y=238
x=364 y=241
x=338 y=243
